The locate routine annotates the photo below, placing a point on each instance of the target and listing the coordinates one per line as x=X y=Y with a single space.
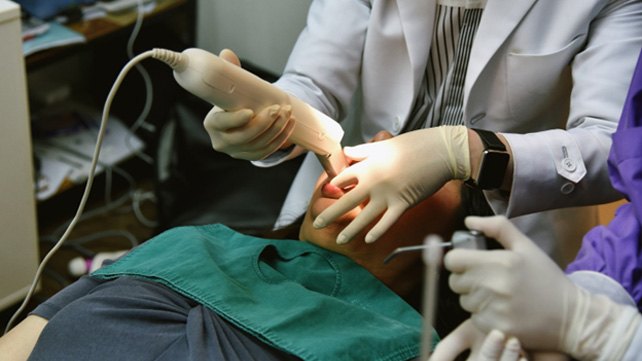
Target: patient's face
x=437 y=214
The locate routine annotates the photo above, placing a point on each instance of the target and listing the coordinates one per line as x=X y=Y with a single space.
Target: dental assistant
x=593 y=313
x=538 y=74
x=610 y=259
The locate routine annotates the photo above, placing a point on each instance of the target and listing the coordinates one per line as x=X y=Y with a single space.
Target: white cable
x=133 y=194
x=109 y=204
x=132 y=187
x=106 y=208
x=90 y=181
x=141 y=121
x=137 y=197
x=110 y=233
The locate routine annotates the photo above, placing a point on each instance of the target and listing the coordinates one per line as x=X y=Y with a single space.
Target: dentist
x=535 y=77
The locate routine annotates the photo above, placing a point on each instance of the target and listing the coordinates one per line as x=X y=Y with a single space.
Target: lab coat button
x=477 y=118
x=569 y=165
x=567 y=188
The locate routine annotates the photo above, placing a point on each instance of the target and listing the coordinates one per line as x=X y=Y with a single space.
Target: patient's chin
x=319 y=205
x=326 y=237
x=329 y=242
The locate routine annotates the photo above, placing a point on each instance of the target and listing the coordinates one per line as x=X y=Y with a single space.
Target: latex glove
x=492 y=347
x=521 y=291
x=245 y=135
x=395 y=174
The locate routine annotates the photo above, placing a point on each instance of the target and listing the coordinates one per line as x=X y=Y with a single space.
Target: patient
x=210 y=293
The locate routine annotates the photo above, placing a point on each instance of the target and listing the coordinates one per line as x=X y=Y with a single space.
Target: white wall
x=260 y=31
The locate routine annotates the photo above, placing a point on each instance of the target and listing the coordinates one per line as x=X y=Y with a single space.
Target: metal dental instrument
x=413 y=249
x=461 y=239
x=432 y=254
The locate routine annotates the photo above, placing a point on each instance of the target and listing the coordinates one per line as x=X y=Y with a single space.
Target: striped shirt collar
x=467 y=4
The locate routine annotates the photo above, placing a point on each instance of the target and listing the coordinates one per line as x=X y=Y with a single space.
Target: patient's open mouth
x=330 y=191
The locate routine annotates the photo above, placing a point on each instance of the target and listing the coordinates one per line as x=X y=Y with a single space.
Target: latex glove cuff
x=598 y=328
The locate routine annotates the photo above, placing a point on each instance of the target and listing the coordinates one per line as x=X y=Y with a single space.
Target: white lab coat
x=551 y=75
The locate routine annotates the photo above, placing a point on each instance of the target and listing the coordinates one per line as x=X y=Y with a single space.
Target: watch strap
x=493 y=164
x=490 y=140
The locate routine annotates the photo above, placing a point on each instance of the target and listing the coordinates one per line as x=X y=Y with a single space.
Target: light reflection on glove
x=491 y=347
x=522 y=292
x=245 y=135
x=395 y=174
x=519 y=291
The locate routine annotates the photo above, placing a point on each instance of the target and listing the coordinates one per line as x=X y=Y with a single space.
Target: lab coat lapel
x=417 y=31
x=498 y=22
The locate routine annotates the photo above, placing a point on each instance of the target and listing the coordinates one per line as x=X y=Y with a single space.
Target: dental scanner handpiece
x=230 y=87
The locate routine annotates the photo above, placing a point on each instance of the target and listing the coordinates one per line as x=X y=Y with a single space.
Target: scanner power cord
x=178 y=62
x=90 y=180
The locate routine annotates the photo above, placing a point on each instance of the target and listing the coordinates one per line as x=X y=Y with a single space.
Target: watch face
x=492 y=169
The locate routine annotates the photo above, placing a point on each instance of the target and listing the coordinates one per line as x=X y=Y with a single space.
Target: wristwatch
x=493 y=163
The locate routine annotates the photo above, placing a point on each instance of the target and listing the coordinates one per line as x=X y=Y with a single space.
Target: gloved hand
x=521 y=292
x=245 y=135
x=395 y=174
x=491 y=347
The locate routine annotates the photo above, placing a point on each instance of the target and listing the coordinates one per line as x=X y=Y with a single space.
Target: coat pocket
x=537 y=81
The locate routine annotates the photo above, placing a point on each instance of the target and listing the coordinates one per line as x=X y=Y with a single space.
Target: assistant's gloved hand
x=245 y=135
x=521 y=292
x=491 y=347
x=395 y=174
